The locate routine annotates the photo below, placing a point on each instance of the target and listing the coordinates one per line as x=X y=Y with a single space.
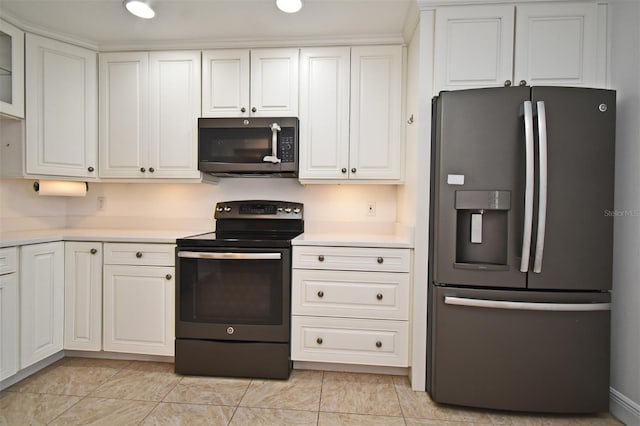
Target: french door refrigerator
x=521 y=238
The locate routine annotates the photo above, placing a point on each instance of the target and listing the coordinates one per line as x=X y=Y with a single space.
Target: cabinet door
x=139 y=309
x=124 y=108
x=274 y=82
x=41 y=301
x=473 y=47
x=324 y=113
x=8 y=325
x=11 y=70
x=376 y=144
x=61 y=118
x=174 y=100
x=83 y=296
x=557 y=44
x=225 y=83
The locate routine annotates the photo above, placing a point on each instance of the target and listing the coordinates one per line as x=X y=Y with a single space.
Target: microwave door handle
x=273 y=158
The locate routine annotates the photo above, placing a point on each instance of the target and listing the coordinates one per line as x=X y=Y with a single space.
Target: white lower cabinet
x=41 y=301
x=83 y=296
x=9 y=324
x=350 y=305
x=139 y=294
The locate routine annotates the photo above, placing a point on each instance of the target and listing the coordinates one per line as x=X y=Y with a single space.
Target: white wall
x=624 y=24
x=22 y=209
x=189 y=206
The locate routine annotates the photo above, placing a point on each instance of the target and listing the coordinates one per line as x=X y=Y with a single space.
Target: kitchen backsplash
x=190 y=206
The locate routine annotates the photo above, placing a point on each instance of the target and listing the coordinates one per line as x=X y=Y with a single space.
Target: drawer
x=139 y=254
x=380 y=295
x=8 y=260
x=352 y=258
x=350 y=341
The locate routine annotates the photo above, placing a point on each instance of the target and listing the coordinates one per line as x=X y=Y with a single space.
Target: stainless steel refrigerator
x=521 y=238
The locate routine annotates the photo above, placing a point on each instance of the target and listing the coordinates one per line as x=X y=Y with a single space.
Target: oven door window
x=250 y=145
x=237 y=288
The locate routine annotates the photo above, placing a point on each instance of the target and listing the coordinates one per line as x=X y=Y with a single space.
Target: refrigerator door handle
x=542 y=190
x=527 y=306
x=528 y=189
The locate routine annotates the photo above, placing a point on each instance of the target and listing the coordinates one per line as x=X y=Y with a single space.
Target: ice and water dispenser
x=482 y=226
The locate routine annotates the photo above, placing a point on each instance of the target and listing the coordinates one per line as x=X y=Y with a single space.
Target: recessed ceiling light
x=140 y=8
x=289 y=6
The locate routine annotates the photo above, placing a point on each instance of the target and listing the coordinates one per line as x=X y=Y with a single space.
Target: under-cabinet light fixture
x=140 y=8
x=289 y=6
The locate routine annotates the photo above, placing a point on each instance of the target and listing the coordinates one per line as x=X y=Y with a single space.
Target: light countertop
x=353 y=240
x=169 y=236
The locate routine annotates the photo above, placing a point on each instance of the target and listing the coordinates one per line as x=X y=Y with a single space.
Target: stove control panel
x=258 y=209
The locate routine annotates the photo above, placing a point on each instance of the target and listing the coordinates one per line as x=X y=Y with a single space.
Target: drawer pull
x=321 y=258
x=93 y=251
x=139 y=254
x=380 y=260
x=319 y=340
x=168 y=276
x=320 y=293
x=379 y=296
x=378 y=344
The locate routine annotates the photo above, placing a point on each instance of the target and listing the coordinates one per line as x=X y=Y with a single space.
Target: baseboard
x=34 y=368
x=350 y=368
x=624 y=408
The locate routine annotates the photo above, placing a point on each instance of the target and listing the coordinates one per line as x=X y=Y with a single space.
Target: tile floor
x=83 y=391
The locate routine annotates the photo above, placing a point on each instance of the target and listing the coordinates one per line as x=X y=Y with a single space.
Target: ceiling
x=105 y=24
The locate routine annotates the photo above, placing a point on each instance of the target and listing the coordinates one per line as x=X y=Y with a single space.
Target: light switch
x=476 y=228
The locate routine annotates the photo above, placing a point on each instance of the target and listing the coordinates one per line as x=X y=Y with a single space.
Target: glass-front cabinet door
x=11 y=70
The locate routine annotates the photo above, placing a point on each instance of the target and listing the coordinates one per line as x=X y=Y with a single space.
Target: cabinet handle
x=243 y=109
x=93 y=251
x=142 y=169
x=320 y=293
x=379 y=296
x=319 y=340
x=523 y=82
x=91 y=169
x=380 y=260
x=353 y=170
x=168 y=276
x=253 y=109
x=151 y=169
x=344 y=170
x=507 y=83
x=139 y=254
x=378 y=344
x=321 y=258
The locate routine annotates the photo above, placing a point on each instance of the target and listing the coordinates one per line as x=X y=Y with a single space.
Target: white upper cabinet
x=61 y=112
x=376 y=113
x=225 y=83
x=324 y=112
x=474 y=47
x=149 y=106
x=11 y=70
x=350 y=114
x=243 y=83
x=555 y=44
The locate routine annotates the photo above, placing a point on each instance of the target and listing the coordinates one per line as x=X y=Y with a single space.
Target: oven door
x=232 y=294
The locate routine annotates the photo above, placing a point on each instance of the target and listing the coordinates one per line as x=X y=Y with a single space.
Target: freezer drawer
x=519 y=350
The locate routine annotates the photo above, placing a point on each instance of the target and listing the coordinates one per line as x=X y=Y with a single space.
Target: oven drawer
x=8 y=260
x=351 y=258
x=139 y=254
x=350 y=341
x=378 y=295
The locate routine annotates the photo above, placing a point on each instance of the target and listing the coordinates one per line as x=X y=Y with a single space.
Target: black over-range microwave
x=258 y=146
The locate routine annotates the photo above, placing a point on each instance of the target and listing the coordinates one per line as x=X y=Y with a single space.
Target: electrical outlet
x=371 y=208
x=101 y=202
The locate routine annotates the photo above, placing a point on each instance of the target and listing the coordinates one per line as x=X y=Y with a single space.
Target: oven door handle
x=229 y=256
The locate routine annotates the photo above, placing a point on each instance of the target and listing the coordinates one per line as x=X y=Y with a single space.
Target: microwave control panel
x=287 y=151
